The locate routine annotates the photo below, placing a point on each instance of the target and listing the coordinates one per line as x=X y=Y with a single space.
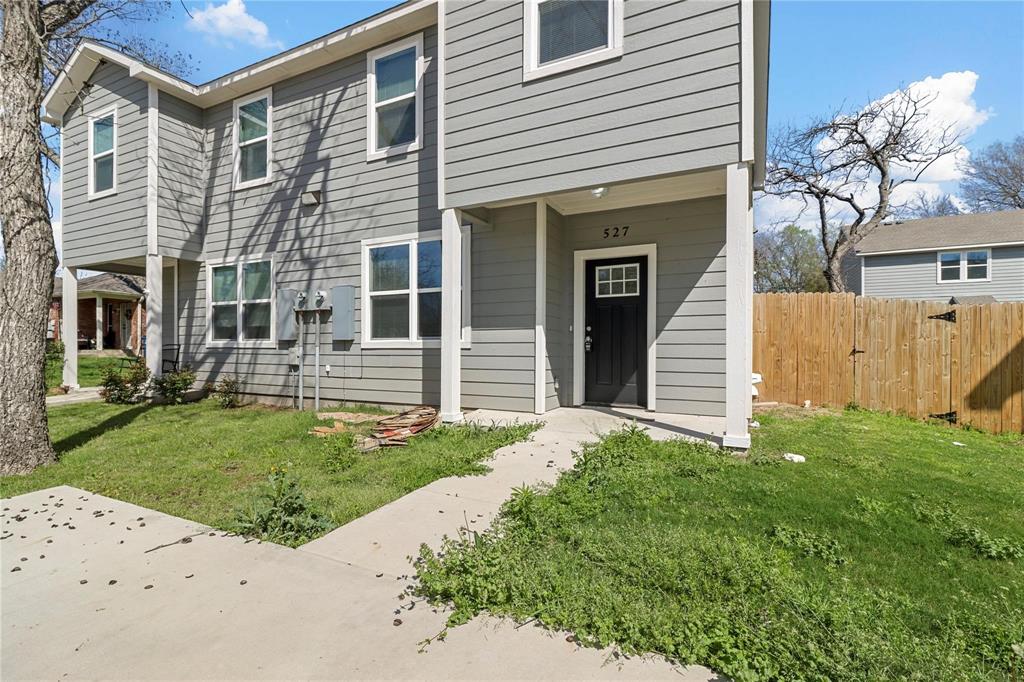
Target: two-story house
x=970 y=258
x=509 y=204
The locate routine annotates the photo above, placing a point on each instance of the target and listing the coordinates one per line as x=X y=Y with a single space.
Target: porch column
x=451 y=315
x=540 y=346
x=69 y=313
x=99 y=323
x=154 y=307
x=739 y=306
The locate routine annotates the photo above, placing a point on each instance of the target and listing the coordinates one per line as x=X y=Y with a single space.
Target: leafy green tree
x=788 y=260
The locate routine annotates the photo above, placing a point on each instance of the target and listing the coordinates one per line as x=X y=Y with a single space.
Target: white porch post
x=99 y=323
x=69 y=313
x=451 y=315
x=154 y=309
x=739 y=248
x=540 y=314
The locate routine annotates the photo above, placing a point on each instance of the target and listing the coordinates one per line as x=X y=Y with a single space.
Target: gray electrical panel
x=343 y=312
x=286 y=327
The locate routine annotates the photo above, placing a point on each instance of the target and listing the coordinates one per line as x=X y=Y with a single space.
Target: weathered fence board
x=893 y=355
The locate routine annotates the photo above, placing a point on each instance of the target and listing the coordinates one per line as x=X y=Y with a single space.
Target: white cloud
x=231 y=23
x=950 y=105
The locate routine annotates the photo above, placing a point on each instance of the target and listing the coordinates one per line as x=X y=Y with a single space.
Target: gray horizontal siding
x=690 y=311
x=111 y=227
x=671 y=103
x=181 y=174
x=913 y=275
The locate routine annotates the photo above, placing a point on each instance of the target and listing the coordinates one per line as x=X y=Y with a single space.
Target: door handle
x=587 y=343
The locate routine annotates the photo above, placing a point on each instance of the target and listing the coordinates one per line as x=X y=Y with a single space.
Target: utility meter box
x=286 y=326
x=343 y=313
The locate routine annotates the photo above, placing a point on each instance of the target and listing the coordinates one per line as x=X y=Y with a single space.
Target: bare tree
x=788 y=260
x=924 y=205
x=845 y=169
x=994 y=179
x=37 y=36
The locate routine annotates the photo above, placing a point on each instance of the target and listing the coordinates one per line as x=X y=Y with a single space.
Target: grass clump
x=820 y=570
x=280 y=513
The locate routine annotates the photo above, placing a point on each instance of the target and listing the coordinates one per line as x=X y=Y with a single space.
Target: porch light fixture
x=310 y=198
x=599 y=192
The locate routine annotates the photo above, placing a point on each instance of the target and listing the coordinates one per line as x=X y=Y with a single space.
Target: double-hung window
x=559 y=35
x=241 y=301
x=253 y=130
x=401 y=303
x=394 y=98
x=964 y=266
x=103 y=154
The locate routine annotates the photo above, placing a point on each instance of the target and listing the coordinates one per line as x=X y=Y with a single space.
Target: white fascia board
x=932 y=249
x=377 y=30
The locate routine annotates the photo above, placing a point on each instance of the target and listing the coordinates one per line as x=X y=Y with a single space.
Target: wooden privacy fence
x=964 y=363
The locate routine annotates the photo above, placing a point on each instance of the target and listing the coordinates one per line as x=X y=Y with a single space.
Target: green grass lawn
x=892 y=553
x=204 y=463
x=90 y=371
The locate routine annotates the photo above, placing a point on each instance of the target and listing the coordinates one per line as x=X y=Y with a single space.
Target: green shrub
x=174 y=385
x=124 y=387
x=281 y=513
x=54 y=363
x=228 y=391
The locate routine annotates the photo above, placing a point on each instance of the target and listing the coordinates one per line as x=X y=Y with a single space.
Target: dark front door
x=615 y=331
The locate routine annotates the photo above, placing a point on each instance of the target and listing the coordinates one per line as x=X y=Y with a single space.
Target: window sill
x=571 y=63
x=102 y=195
x=375 y=154
x=964 y=281
x=241 y=344
x=399 y=344
x=249 y=184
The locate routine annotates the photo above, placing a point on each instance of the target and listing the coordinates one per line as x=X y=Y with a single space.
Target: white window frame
x=372 y=151
x=597 y=280
x=238 y=183
x=110 y=111
x=532 y=69
x=240 y=340
x=413 y=291
x=962 y=254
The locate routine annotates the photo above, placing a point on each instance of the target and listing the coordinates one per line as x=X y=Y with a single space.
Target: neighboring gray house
x=512 y=204
x=971 y=255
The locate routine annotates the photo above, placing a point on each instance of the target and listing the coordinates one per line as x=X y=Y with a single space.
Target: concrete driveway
x=91 y=587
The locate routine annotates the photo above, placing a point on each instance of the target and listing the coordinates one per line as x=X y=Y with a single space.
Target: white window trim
x=413 y=290
x=240 y=341
x=372 y=152
x=532 y=69
x=92 y=156
x=597 y=281
x=963 y=267
x=267 y=94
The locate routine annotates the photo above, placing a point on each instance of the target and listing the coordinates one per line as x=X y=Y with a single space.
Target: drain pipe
x=317 y=304
x=300 y=304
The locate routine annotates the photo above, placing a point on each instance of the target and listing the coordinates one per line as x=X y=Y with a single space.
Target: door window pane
x=224 y=322
x=428 y=273
x=396 y=123
x=396 y=74
x=103 y=174
x=252 y=120
x=225 y=283
x=390 y=317
x=618 y=280
x=569 y=27
x=256 y=280
x=103 y=135
x=256 y=320
x=389 y=268
x=253 y=163
x=430 y=315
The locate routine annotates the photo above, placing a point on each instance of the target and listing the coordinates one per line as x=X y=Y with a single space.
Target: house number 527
x=616 y=232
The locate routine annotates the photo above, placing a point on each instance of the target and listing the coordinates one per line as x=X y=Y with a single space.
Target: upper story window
x=253 y=129
x=103 y=154
x=241 y=301
x=394 y=85
x=559 y=35
x=965 y=266
x=402 y=291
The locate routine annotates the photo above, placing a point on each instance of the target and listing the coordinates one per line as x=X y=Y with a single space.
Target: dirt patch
x=793 y=411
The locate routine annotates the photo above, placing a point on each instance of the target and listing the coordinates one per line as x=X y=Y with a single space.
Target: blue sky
x=825 y=54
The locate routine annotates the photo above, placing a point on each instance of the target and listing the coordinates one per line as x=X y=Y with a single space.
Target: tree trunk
x=27 y=287
x=834 y=271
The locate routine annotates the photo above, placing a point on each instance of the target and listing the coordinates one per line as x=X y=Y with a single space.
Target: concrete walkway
x=97 y=588
x=79 y=395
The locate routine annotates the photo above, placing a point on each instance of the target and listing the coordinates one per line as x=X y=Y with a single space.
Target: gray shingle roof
x=929 y=234
x=106 y=283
